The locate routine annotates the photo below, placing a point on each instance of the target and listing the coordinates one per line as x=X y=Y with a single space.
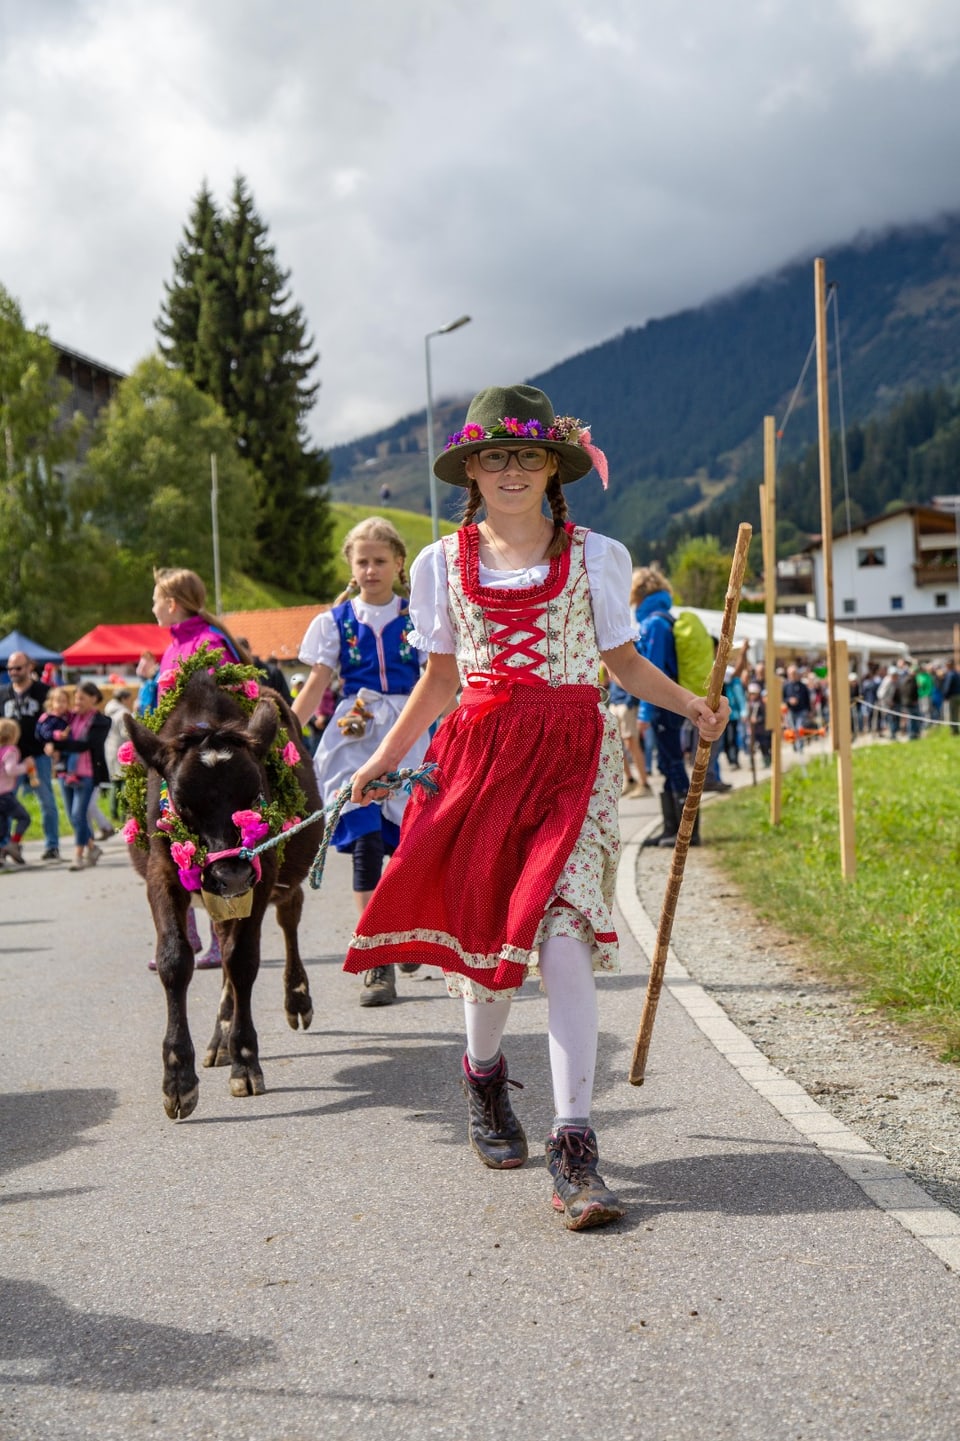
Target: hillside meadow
x=893 y=931
x=241 y=592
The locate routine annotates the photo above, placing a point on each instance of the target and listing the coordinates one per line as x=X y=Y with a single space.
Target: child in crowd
x=14 y=817
x=54 y=725
x=511 y=867
x=364 y=635
x=179 y=602
x=84 y=741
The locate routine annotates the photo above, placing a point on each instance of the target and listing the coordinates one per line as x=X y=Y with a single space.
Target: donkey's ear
x=261 y=729
x=151 y=750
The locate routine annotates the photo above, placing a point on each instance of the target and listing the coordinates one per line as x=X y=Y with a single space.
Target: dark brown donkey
x=211 y=756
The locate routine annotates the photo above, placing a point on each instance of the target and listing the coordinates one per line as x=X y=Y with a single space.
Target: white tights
x=567 y=970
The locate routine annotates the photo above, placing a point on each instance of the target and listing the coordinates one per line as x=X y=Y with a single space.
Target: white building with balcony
x=896 y=575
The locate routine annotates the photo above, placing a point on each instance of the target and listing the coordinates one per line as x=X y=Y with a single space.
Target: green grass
x=35 y=833
x=242 y=592
x=893 y=931
x=417 y=530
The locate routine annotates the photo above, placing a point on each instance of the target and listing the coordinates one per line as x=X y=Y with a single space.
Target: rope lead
x=404 y=779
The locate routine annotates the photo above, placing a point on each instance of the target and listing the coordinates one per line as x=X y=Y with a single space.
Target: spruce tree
x=229 y=321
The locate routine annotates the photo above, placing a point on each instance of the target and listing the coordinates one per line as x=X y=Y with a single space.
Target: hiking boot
x=668 y=842
x=671 y=807
x=379 y=986
x=578 y=1191
x=13 y=851
x=93 y=855
x=493 y=1130
x=50 y=854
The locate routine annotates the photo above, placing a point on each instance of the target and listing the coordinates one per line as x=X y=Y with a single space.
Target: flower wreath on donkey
x=281 y=813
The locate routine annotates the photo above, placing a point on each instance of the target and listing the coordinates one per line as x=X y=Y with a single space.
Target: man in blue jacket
x=651 y=598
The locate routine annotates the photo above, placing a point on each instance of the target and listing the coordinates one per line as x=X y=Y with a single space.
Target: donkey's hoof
x=247 y=1082
x=181 y=1104
x=216 y=1056
x=303 y=1018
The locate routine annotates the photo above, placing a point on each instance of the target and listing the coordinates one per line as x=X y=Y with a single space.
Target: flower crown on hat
x=565 y=429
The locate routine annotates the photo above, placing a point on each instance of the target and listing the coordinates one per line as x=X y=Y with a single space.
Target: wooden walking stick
x=691 y=805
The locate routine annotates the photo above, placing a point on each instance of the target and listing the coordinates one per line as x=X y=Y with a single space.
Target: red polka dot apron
x=523 y=839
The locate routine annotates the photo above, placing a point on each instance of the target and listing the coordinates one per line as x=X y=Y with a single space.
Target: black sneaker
x=494 y=1131
x=578 y=1191
x=50 y=854
x=379 y=987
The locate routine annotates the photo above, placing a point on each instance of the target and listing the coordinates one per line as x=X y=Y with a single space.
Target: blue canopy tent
x=16 y=640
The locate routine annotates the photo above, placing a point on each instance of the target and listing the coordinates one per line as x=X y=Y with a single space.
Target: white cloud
x=557 y=170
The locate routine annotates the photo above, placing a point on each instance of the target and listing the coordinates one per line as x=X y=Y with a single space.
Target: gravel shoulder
x=866 y=1070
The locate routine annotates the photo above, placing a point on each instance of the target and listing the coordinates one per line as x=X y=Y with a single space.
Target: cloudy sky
x=558 y=169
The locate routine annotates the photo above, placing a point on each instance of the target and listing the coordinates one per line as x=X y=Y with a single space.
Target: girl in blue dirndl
x=364 y=636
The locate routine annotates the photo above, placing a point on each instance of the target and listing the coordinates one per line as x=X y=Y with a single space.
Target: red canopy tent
x=116 y=645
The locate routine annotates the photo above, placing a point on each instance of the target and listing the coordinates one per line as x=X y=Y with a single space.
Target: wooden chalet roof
x=273 y=634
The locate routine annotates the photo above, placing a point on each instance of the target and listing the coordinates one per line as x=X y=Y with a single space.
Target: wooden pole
x=826 y=489
x=768 y=520
x=840 y=715
x=691 y=804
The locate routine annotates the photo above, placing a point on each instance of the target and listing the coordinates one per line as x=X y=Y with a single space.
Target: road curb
x=883 y=1183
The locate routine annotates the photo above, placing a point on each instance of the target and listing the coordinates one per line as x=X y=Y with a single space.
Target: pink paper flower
x=126 y=754
x=290 y=754
x=168 y=678
x=191 y=879
x=288 y=825
x=130 y=830
x=253 y=828
x=250 y=689
x=182 y=853
x=165 y=822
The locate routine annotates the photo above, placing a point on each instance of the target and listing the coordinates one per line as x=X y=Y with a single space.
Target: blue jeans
x=13 y=816
x=77 y=798
x=666 y=727
x=47 y=800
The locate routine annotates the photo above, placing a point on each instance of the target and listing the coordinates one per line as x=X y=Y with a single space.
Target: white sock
x=566 y=966
x=485 y=1022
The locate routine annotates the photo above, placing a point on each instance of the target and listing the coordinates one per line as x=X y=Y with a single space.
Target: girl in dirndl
x=511 y=867
x=366 y=636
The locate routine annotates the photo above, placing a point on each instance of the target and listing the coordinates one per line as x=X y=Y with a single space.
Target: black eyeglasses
x=531 y=457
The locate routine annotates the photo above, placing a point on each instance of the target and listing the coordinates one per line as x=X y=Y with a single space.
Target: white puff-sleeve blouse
x=609 y=574
x=321 y=644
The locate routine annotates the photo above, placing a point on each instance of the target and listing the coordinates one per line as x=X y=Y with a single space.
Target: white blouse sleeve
x=433 y=628
x=321 y=644
x=610 y=573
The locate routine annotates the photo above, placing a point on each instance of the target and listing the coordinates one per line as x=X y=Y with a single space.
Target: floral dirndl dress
x=523 y=839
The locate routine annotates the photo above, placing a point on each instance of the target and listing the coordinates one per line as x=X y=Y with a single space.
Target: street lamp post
x=434 y=508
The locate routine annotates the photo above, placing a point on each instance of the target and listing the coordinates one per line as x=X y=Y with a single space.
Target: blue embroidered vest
x=387 y=662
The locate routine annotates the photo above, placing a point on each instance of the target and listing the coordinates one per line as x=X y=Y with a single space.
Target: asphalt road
x=330 y=1260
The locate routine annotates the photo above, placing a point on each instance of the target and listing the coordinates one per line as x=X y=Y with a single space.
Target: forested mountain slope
x=678 y=403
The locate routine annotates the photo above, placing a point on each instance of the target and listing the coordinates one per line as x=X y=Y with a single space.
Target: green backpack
x=695 y=650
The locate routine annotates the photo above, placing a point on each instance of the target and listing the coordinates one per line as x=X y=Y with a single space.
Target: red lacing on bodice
x=516 y=613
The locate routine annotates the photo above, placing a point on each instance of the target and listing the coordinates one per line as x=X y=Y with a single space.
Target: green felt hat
x=516 y=415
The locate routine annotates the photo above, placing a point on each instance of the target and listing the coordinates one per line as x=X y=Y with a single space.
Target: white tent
x=798 y=633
